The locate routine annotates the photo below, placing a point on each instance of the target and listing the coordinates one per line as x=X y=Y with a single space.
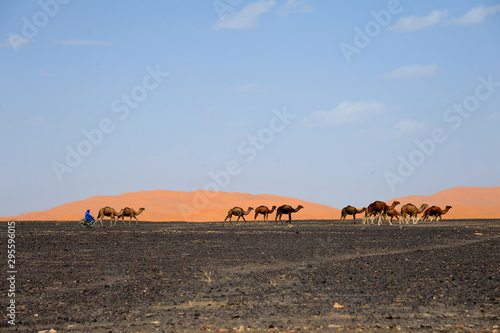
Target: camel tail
x=99 y=215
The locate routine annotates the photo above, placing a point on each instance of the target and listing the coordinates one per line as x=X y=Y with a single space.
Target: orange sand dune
x=200 y=206
x=196 y=206
x=467 y=202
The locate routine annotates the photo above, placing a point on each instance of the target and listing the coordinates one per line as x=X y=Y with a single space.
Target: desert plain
x=311 y=275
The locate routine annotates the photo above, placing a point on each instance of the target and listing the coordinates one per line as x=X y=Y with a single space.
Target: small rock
x=338 y=306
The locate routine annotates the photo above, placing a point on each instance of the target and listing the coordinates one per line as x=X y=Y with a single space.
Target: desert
x=203 y=273
x=203 y=206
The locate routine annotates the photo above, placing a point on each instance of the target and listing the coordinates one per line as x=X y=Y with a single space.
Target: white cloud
x=412 y=23
x=412 y=71
x=295 y=6
x=345 y=113
x=247 y=18
x=408 y=126
x=249 y=87
x=81 y=42
x=475 y=16
x=16 y=42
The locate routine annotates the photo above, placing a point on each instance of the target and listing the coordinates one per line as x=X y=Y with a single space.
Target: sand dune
x=164 y=205
x=200 y=206
x=467 y=202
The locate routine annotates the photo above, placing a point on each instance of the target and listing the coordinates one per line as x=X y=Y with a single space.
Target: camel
x=378 y=207
x=286 y=209
x=129 y=212
x=350 y=210
x=389 y=214
x=109 y=212
x=393 y=213
x=237 y=211
x=413 y=211
x=436 y=212
x=264 y=211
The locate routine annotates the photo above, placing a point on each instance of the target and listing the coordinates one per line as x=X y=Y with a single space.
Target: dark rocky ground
x=184 y=277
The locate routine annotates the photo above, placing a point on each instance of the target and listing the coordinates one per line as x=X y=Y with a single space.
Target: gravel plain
x=322 y=275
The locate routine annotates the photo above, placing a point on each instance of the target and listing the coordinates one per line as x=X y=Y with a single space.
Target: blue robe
x=88 y=216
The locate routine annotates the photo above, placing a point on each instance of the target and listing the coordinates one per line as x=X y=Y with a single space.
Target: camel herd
x=264 y=210
x=407 y=212
x=114 y=215
x=377 y=208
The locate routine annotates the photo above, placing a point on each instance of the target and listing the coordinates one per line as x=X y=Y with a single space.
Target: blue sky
x=332 y=102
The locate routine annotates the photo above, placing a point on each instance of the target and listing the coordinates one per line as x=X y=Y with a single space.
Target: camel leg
x=223 y=223
x=243 y=219
x=388 y=219
x=136 y=220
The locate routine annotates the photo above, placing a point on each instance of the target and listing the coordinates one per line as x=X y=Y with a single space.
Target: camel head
x=422 y=208
x=394 y=204
x=299 y=208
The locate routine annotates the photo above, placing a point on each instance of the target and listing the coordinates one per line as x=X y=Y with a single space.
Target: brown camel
x=350 y=210
x=413 y=211
x=129 y=212
x=379 y=207
x=117 y=216
x=107 y=212
x=436 y=212
x=287 y=209
x=393 y=213
x=237 y=211
x=264 y=211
